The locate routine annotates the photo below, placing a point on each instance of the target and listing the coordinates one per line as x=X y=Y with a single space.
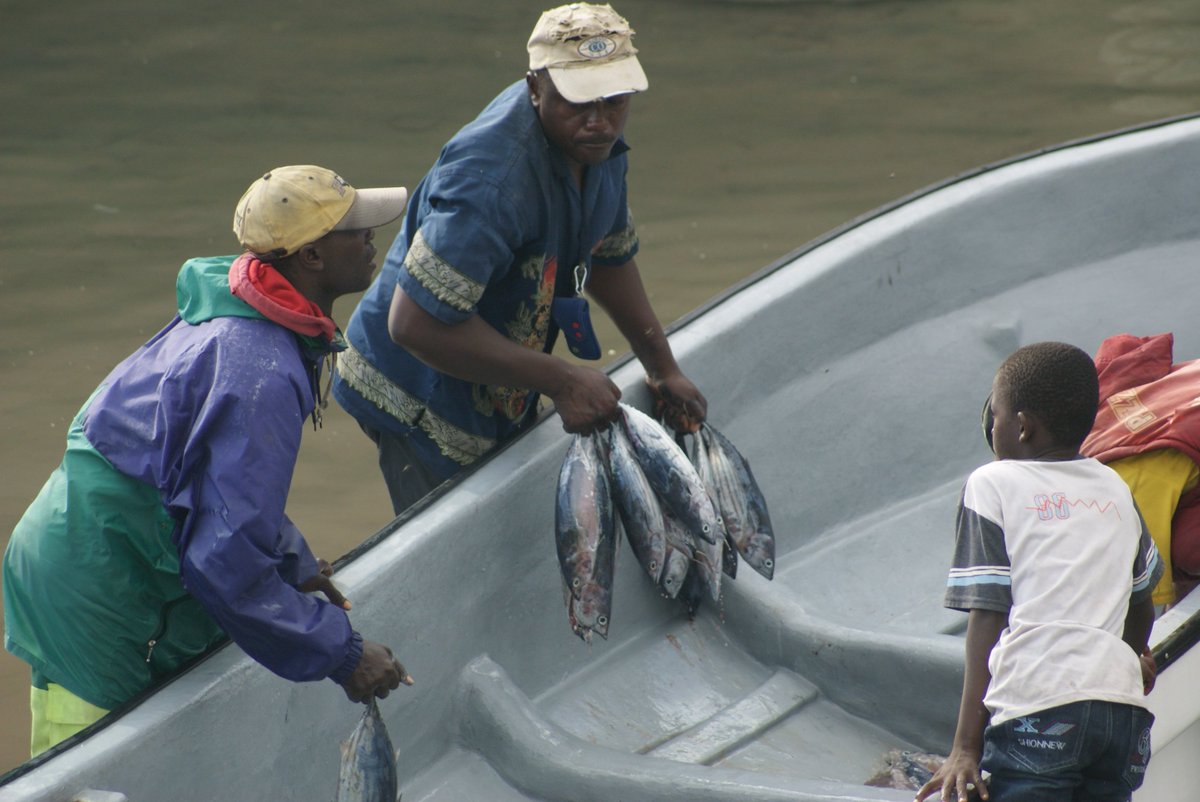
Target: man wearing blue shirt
x=524 y=209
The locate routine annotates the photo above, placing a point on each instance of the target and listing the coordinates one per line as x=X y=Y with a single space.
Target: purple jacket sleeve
x=235 y=415
x=298 y=564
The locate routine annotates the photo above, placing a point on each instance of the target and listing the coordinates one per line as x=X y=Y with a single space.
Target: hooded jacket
x=163 y=528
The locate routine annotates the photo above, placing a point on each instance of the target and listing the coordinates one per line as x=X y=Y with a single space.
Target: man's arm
x=962 y=765
x=474 y=351
x=240 y=556
x=619 y=290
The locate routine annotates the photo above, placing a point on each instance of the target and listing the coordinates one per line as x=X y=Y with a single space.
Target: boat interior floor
x=798 y=688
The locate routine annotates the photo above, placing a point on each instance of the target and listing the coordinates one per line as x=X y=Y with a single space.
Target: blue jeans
x=1094 y=751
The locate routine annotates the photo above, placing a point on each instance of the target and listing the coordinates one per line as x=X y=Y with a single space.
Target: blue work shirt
x=491 y=230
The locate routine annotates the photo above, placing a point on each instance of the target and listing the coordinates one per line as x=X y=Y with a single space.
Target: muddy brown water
x=128 y=132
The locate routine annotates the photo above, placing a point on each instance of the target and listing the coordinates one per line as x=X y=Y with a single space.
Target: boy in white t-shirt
x=1055 y=567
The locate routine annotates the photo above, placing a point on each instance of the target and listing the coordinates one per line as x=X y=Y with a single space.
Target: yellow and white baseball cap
x=292 y=206
x=588 y=51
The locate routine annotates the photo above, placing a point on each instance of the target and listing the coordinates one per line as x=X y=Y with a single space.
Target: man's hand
x=586 y=401
x=378 y=673
x=678 y=402
x=321 y=583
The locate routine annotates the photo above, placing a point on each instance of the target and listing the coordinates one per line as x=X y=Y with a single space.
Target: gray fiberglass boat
x=851 y=375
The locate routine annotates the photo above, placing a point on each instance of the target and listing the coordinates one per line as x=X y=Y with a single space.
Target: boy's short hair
x=1056 y=382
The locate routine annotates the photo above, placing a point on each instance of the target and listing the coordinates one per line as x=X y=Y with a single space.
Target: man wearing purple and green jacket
x=163 y=530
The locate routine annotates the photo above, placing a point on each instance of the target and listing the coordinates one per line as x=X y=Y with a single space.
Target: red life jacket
x=1147 y=403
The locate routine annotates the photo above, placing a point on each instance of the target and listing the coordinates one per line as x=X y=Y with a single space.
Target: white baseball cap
x=588 y=51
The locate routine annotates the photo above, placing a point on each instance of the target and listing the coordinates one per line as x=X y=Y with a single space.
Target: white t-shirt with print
x=1061 y=547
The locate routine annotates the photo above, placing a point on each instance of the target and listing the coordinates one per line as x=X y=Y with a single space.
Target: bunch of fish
x=687 y=519
x=368 y=769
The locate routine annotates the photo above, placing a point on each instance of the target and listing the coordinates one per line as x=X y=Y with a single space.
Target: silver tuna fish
x=709 y=557
x=671 y=475
x=681 y=553
x=368 y=772
x=742 y=505
x=732 y=517
x=585 y=537
x=638 y=507
x=675 y=570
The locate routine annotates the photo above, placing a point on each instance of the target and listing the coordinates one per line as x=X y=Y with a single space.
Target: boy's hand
x=1149 y=671
x=957 y=779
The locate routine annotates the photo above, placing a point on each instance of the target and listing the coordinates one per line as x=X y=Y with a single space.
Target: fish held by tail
x=368 y=768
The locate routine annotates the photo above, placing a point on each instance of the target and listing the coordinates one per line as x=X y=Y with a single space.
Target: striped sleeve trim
x=1142 y=582
x=620 y=244
x=456 y=443
x=447 y=284
x=980 y=575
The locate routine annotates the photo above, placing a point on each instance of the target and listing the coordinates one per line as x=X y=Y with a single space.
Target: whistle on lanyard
x=572 y=316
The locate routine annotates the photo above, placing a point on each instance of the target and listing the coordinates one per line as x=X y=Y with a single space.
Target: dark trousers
x=408 y=478
x=1094 y=751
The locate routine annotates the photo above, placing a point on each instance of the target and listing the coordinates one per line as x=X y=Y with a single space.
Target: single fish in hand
x=585 y=537
x=368 y=771
x=742 y=505
x=638 y=506
x=671 y=474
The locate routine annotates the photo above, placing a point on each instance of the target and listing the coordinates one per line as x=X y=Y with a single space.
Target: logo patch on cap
x=597 y=47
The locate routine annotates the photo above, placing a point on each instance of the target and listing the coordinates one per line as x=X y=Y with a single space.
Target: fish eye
x=654 y=565
x=704 y=529
x=575 y=582
x=769 y=563
x=602 y=620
